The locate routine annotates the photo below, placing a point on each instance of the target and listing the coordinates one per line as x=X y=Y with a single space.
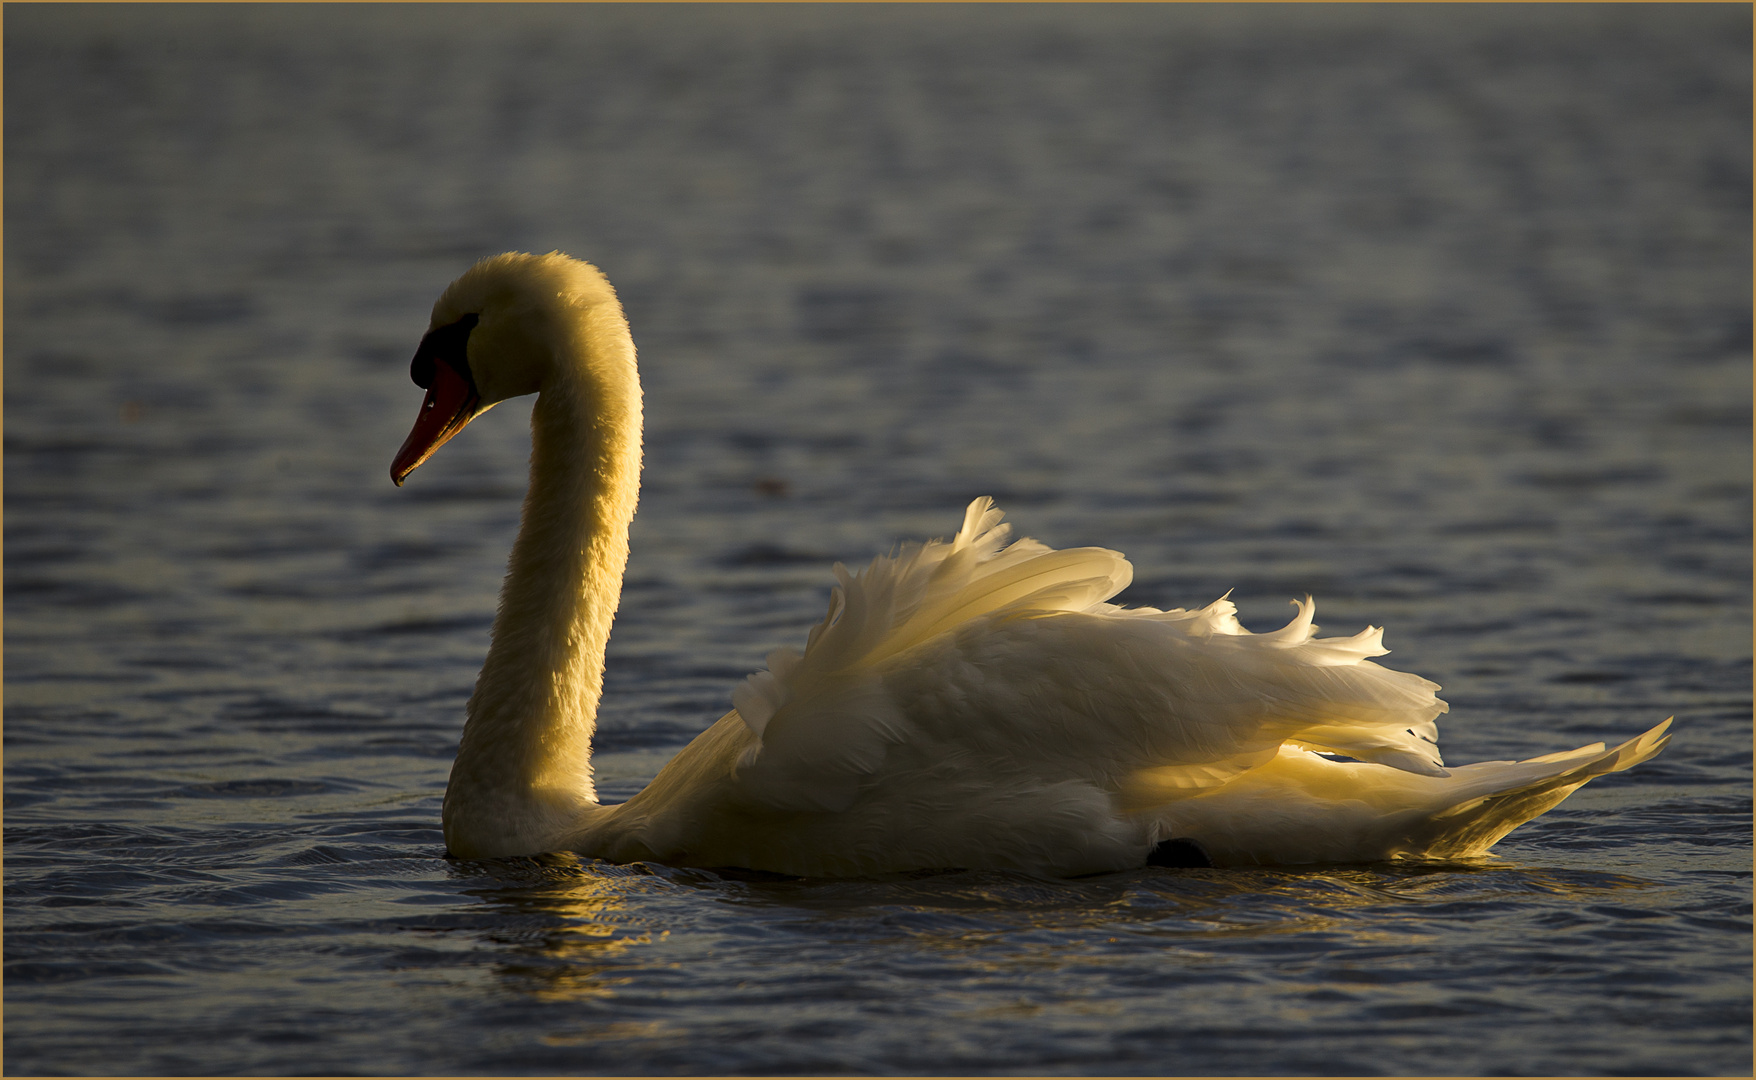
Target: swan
x=967 y=703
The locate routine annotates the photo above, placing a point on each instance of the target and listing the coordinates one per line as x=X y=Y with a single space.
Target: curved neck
x=522 y=780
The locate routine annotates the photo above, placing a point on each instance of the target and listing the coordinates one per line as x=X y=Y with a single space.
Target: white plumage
x=964 y=703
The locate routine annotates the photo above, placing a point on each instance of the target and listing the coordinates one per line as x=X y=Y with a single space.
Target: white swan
x=964 y=704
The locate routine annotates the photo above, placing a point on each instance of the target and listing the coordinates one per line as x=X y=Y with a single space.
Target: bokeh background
x=1441 y=313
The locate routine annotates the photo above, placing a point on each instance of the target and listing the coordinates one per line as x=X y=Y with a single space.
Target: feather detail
x=900 y=601
x=823 y=720
x=1013 y=647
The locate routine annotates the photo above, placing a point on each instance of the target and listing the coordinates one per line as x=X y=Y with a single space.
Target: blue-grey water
x=1439 y=313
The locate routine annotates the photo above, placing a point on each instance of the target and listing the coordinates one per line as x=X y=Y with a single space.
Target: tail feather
x=1472 y=826
x=1303 y=808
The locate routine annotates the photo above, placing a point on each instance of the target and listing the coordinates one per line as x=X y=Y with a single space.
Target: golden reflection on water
x=585 y=923
x=607 y=1032
x=588 y=917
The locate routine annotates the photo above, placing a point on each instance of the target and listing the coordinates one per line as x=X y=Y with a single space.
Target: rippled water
x=1441 y=314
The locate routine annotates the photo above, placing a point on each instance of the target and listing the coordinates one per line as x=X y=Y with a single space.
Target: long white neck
x=522 y=781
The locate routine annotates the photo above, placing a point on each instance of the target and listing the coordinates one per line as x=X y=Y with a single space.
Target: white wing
x=1008 y=658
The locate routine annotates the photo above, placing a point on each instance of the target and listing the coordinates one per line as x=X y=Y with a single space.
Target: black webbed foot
x=1181 y=852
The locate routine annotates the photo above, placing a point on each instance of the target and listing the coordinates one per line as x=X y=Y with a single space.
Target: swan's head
x=512 y=325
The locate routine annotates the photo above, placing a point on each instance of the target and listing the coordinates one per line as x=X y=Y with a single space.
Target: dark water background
x=1441 y=314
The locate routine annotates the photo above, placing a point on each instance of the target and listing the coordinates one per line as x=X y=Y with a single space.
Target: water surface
x=1439 y=314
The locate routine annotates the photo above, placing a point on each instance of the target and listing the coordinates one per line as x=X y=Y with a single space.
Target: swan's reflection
x=573 y=928
x=565 y=923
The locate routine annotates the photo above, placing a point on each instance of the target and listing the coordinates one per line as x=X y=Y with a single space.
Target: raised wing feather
x=1010 y=655
x=900 y=601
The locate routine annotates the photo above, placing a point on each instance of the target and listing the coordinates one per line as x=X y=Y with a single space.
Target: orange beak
x=441 y=365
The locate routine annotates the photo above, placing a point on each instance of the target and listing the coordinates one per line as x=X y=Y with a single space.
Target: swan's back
x=974 y=703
